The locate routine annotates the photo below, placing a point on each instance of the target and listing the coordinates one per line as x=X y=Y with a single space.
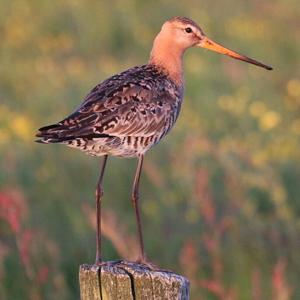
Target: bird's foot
x=146 y=263
x=99 y=263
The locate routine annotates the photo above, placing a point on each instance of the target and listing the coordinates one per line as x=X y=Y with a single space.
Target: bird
x=130 y=112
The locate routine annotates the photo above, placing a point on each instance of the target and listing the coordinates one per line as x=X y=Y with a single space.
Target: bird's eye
x=188 y=30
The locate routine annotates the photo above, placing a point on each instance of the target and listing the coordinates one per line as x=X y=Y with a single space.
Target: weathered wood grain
x=126 y=280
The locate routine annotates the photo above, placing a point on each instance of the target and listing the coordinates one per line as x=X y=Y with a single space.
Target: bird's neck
x=168 y=56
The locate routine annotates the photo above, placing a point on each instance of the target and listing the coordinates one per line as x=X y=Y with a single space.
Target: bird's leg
x=99 y=194
x=135 y=199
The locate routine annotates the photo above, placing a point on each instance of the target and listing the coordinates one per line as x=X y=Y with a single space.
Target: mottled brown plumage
x=130 y=112
x=123 y=116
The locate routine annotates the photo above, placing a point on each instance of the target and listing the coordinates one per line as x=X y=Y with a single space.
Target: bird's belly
x=129 y=146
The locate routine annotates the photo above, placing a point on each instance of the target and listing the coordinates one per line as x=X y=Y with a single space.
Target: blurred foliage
x=221 y=192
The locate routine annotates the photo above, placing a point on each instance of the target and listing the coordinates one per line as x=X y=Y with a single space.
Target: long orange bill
x=211 y=45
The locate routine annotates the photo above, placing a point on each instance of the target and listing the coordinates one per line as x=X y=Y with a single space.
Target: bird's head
x=183 y=33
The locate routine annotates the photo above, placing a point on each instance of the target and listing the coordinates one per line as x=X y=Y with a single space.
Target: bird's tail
x=50 y=134
x=60 y=133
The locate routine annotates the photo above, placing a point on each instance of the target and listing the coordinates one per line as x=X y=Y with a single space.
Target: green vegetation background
x=220 y=194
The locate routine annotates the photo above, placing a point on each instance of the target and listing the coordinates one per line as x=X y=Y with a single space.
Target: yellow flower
x=21 y=126
x=269 y=120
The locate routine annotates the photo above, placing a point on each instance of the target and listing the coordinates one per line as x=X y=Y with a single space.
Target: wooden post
x=130 y=281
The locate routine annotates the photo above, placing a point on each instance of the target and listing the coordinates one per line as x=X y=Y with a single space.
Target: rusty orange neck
x=167 y=55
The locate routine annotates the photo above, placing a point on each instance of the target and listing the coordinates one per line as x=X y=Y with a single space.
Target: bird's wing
x=134 y=111
x=118 y=107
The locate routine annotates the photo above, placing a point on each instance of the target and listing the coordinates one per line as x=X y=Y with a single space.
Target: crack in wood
x=131 y=281
x=99 y=279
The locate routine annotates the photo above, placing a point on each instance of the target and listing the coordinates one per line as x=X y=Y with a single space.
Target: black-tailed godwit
x=130 y=112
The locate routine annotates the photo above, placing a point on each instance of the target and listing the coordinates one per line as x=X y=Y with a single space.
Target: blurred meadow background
x=219 y=196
